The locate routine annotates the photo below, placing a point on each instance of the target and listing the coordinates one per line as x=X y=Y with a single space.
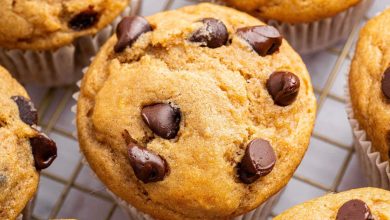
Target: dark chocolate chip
x=265 y=40
x=2 y=123
x=27 y=112
x=148 y=166
x=44 y=150
x=213 y=34
x=354 y=210
x=129 y=30
x=3 y=179
x=283 y=87
x=258 y=161
x=386 y=83
x=388 y=143
x=162 y=119
x=84 y=20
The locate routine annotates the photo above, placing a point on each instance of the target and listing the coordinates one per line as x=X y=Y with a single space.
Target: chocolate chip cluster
x=44 y=149
x=164 y=118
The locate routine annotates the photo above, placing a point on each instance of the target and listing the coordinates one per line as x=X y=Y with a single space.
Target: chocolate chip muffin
x=24 y=150
x=369 y=83
x=46 y=25
x=54 y=40
x=308 y=25
x=293 y=11
x=364 y=204
x=198 y=113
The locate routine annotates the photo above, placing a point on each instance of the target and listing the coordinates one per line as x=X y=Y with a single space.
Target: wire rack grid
x=68 y=190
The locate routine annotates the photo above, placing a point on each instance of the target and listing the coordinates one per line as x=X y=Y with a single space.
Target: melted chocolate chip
x=265 y=40
x=27 y=112
x=213 y=34
x=129 y=30
x=84 y=20
x=44 y=150
x=162 y=119
x=386 y=83
x=354 y=210
x=148 y=166
x=283 y=87
x=258 y=161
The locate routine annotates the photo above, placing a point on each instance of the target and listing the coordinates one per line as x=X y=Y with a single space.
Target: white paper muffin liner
x=60 y=67
x=260 y=213
x=27 y=212
x=376 y=171
x=318 y=35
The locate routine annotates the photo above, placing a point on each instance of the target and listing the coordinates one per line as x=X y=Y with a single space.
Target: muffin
x=24 y=150
x=54 y=39
x=364 y=203
x=369 y=88
x=309 y=26
x=198 y=113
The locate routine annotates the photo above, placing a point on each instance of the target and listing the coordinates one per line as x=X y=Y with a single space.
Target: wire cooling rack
x=69 y=190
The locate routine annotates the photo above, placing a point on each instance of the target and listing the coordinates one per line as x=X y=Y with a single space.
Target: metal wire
x=50 y=126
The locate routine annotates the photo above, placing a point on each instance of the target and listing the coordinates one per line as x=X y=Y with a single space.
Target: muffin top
x=49 y=24
x=293 y=11
x=369 y=82
x=23 y=149
x=363 y=203
x=198 y=113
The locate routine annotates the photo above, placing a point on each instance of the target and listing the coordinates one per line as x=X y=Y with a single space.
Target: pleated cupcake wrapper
x=26 y=212
x=61 y=66
x=376 y=171
x=260 y=213
x=318 y=35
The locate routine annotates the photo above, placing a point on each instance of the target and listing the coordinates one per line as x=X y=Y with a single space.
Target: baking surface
x=69 y=190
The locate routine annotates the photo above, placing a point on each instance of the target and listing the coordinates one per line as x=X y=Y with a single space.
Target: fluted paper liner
x=315 y=36
x=260 y=213
x=59 y=67
x=376 y=171
x=26 y=212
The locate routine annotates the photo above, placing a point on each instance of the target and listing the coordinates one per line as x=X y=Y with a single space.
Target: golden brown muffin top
x=49 y=24
x=220 y=90
x=369 y=82
x=23 y=148
x=293 y=11
x=18 y=176
x=338 y=205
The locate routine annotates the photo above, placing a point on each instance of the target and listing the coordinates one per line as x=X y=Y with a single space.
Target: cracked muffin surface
x=191 y=94
x=292 y=11
x=50 y=24
x=368 y=82
x=18 y=176
x=330 y=206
